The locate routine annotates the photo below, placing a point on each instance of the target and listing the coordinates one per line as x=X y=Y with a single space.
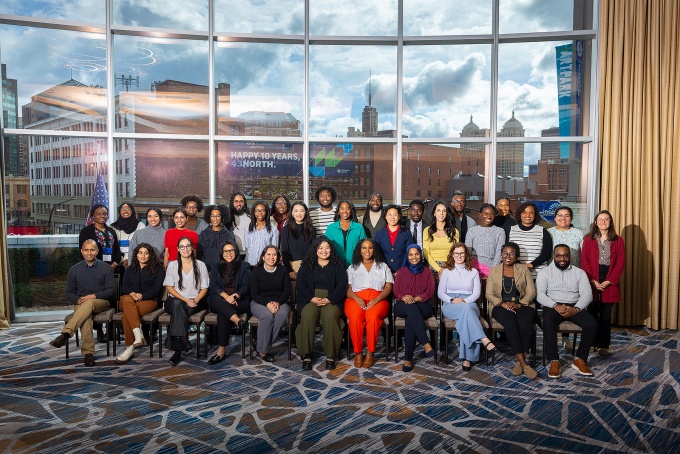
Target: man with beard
x=374 y=215
x=323 y=216
x=504 y=217
x=240 y=220
x=415 y=222
x=463 y=221
x=564 y=292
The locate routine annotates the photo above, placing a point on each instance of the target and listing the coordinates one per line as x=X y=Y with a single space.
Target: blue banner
x=569 y=97
x=547 y=209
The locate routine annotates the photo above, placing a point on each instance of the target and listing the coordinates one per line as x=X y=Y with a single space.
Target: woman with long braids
x=187 y=282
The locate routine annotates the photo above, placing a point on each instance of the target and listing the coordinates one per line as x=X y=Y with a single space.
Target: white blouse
x=362 y=279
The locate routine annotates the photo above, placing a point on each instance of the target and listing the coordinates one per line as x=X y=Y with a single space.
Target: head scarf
x=415 y=269
x=128 y=225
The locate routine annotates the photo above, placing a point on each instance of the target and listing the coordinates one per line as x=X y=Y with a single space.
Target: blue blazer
x=394 y=255
x=355 y=234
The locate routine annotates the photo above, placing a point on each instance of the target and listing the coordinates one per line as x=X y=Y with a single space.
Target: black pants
x=519 y=327
x=552 y=320
x=224 y=312
x=178 y=330
x=415 y=315
x=602 y=312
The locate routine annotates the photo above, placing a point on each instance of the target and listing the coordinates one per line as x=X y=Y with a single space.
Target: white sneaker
x=126 y=356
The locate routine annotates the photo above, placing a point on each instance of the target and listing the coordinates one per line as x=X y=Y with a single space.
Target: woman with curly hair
x=345 y=232
x=535 y=242
x=141 y=292
x=321 y=290
x=459 y=289
x=439 y=237
x=369 y=285
x=211 y=239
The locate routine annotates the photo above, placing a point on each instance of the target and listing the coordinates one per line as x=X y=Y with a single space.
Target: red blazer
x=590 y=255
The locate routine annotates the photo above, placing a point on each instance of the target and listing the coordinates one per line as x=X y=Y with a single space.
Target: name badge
x=107 y=253
x=124 y=246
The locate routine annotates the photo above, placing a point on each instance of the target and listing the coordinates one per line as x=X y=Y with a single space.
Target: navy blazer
x=394 y=255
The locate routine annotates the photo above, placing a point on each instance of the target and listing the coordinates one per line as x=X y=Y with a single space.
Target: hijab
x=128 y=225
x=414 y=269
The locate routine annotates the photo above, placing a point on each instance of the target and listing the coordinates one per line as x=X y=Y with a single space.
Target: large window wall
x=408 y=98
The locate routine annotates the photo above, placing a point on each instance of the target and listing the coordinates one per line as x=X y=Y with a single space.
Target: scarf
x=128 y=225
x=414 y=269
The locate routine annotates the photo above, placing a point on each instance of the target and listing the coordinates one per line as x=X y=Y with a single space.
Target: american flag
x=100 y=197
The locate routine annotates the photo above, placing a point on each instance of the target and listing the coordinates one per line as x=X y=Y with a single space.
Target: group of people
x=332 y=266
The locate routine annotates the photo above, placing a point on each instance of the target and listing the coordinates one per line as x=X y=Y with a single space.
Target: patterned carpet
x=50 y=404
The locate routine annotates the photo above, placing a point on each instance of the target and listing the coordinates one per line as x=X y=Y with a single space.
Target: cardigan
x=337 y=287
x=591 y=265
x=394 y=255
x=355 y=234
x=140 y=281
x=523 y=281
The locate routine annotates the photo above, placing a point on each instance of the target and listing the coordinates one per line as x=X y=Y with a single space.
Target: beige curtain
x=4 y=276
x=640 y=152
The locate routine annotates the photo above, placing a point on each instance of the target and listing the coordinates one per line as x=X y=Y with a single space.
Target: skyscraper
x=510 y=156
x=10 y=115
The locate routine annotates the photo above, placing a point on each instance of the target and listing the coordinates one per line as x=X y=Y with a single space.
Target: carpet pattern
x=53 y=405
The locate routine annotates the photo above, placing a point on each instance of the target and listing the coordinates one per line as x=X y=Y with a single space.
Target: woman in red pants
x=370 y=284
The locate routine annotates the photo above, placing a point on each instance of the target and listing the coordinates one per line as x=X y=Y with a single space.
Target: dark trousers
x=602 y=313
x=519 y=327
x=224 y=312
x=415 y=315
x=178 y=330
x=552 y=320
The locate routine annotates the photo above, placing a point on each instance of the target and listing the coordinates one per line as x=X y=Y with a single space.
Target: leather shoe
x=517 y=370
x=214 y=359
x=358 y=359
x=431 y=353
x=141 y=343
x=368 y=362
x=267 y=358
x=581 y=367
x=60 y=340
x=406 y=368
x=307 y=362
x=555 y=370
x=175 y=358
x=330 y=364
x=88 y=360
x=530 y=372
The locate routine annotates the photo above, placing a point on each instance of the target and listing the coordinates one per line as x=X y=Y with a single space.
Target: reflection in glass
x=262 y=99
x=353 y=18
x=443 y=87
x=285 y=17
x=259 y=170
x=543 y=84
x=92 y=11
x=162 y=85
x=537 y=16
x=177 y=14
x=352 y=91
x=434 y=17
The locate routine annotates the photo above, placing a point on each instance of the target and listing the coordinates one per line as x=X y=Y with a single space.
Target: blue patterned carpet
x=50 y=404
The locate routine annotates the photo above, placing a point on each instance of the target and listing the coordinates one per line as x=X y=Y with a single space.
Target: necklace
x=512 y=284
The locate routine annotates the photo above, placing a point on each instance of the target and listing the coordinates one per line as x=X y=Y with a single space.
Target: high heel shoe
x=486 y=346
x=467 y=368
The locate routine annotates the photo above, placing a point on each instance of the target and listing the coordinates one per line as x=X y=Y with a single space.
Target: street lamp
x=49 y=221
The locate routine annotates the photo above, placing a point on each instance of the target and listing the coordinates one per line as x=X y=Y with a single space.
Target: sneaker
x=555 y=370
x=88 y=360
x=603 y=351
x=176 y=358
x=517 y=370
x=581 y=367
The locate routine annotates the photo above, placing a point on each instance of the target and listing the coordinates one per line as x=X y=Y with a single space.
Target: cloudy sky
x=443 y=85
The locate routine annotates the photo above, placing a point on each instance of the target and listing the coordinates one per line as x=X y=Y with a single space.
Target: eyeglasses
x=259 y=211
x=229 y=251
x=191 y=207
x=280 y=203
x=185 y=247
x=562 y=256
x=458 y=254
x=509 y=254
x=458 y=201
x=603 y=220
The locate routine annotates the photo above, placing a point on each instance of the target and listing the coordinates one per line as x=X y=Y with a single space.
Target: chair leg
x=117 y=335
x=198 y=340
x=151 y=333
x=573 y=346
x=347 y=339
x=290 y=342
x=446 y=347
x=396 y=344
x=243 y=344
x=387 y=343
x=109 y=337
x=160 y=341
x=68 y=341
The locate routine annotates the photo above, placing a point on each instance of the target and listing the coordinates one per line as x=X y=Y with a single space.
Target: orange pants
x=132 y=310
x=370 y=319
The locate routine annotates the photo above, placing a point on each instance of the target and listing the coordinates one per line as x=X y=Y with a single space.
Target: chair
x=104 y=317
x=149 y=319
x=211 y=321
x=568 y=328
x=254 y=322
x=195 y=319
x=431 y=324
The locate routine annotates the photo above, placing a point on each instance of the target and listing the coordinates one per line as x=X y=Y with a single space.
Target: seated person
x=90 y=286
x=564 y=292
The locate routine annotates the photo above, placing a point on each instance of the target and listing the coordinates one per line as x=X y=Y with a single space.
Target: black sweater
x=292 y=248
x=337 y=286
x=140 y=281
x=266 y=286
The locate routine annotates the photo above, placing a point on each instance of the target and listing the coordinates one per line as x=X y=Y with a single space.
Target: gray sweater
x=571 y=286
x=486 y=244
x=155 y=236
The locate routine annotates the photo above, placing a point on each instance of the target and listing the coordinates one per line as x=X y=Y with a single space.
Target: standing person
x=261 y=232
x=321 y=293
x=414 y=289
x=269 y=290
x=510 y=290
x=504 y=217
x=179 y=216
x=345 y=232
x=603 y=260
x=108 y=249
x=211 y=239
x=369 y=284
x=193 y=204
x=125 y=227
x=323 y=216
x=240 y=220
x=564 y=232
x=142 y=290
x=153 y=233
x=187 y=282
x=535 y=243
x=229 y=295
x=459 y=289
x=90 y=287
x=564 y=292
x=393 y=238
x=439 y=237
x=280 y=211
x=485 y=241
x=296 y=238
x=374 y=215
x=463 y=221
x=415 y=223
